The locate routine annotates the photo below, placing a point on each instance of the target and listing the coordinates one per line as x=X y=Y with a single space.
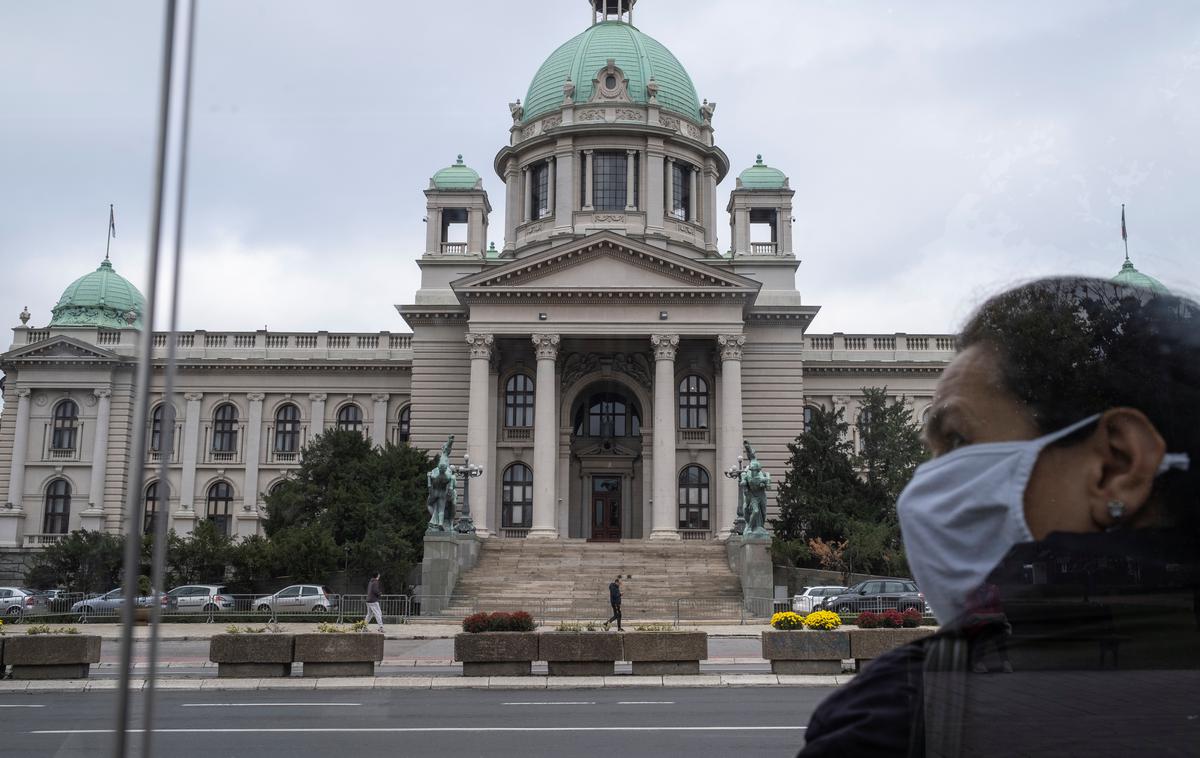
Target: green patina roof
x=100 y=298
x=762 y=176
x=1131 y=277
x=460 y=176
x=640 y=56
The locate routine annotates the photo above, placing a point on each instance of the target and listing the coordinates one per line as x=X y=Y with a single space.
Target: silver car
x=16 y=602
x=811 y=597
x=298 y=598
x=208 y=599
x=110 y=603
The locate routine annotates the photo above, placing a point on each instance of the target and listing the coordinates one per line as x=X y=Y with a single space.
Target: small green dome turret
x=1129 y=276
x=101 y=298
x=460 y=176
x=762 y=176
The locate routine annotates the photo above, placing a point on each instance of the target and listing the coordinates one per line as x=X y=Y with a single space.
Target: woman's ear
x=1128 y=450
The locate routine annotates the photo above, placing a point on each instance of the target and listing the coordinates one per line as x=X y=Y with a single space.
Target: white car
x=811 y=597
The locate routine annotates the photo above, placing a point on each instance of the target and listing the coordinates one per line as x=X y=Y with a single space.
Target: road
x=615 y=721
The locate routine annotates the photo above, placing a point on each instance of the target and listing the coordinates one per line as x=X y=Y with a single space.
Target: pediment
x=610 y=264
x=60 y=348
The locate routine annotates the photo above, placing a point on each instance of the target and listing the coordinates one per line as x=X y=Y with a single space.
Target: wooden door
x=606 y=508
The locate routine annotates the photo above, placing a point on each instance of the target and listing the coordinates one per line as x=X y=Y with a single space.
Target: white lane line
x=558 y=702
x=439 y=729
x=263 y=705
x=22 y=706
x=645 y=702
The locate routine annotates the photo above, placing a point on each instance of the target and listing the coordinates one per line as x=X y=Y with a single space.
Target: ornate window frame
x=694 y=497
x=510 y=488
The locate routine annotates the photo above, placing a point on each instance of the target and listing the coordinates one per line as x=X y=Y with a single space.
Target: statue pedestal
x=750 y=558
x=446 y=555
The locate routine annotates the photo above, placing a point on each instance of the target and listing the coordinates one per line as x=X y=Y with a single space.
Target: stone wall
x=13 y=565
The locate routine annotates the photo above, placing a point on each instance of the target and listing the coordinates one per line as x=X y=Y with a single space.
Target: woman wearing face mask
x=1058 y=525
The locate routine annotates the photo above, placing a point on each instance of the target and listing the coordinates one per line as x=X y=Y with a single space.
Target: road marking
x=645 y=702
x=22 y=706
x=252 y=705
x=559 y=702
x=439 y=729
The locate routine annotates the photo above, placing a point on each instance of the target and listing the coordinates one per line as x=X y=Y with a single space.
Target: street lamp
x=463 y=524
x=735 y=472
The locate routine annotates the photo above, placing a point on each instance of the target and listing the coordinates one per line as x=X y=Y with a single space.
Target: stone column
x=433 y=232
x=253 y=443
x=479 y=445
x=670 y=187
x=564 y=186
x=20 y=448
x=691 y=194
x=526 y=178
x=551 y=188
x=630 y=158
x=545 y=438
x=100 y=449
x=710 y=206
x=730 y=429
x=653 y=200
x=191 y=447
x=589 y=179
x=665 y=518
x=317 y=408
x=512 y=200
x=379 y=419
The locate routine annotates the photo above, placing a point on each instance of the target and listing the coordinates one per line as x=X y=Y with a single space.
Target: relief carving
x=626 y=114
x=669 y=121
x=610 y=218
x=636 y=366
x=578 y=365
x=590 y=114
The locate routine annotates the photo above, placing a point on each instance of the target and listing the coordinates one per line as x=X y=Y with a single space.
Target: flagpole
x=109 y=232
x=1124 y=234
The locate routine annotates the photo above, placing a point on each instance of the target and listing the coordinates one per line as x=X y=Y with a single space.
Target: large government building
x=602 y=364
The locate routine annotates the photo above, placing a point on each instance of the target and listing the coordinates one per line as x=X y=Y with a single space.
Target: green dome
x=641 y=57
x=101 y=298
x=762 y=176
x=457 y=177
x=1131 y=277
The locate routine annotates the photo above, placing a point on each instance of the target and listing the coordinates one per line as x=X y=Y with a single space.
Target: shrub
x=891 y=619
x=912 y=618
x=787 y=620
x=867 y=620
x=519 y=621
x=46 y=629
x=654 y=627
x=826 y=620
x=475 y=623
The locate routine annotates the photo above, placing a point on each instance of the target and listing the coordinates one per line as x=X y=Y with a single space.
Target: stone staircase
x=568 y=580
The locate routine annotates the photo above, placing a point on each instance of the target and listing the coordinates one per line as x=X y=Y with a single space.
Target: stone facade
x=603 y=366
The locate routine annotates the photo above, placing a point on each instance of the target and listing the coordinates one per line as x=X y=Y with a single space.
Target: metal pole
x=137 y=453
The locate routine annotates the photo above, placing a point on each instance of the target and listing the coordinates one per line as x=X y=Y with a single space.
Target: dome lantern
x=616 y=10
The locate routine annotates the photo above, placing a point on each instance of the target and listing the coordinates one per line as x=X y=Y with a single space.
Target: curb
x=433 y=683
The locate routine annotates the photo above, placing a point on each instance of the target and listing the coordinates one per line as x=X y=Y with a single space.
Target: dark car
x=877 y=595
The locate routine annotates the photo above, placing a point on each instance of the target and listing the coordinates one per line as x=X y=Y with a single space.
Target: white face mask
x=963 y=512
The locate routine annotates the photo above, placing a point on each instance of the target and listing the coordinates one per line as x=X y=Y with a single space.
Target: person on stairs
x=614 y=598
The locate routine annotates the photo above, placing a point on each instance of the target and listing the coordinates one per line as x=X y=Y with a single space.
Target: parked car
x=110 y=602
x=877 y=595
x=808 y=600
x=16 y=602
x=298 y=598
x=202 y=598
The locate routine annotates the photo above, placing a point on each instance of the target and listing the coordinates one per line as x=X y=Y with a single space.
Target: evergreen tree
x=821 y=488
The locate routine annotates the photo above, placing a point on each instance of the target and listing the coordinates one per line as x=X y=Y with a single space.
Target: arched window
x=57 y=514
x=608 y=414
x=157 y=425
x=287 y=429
x=349 y=418
x=404 y=427
x=66 y=423
x=154 y=498
x=693 y=403
x=225 y=429
x=518 y=401
x=925 y=416
x=809 y=412
x=220 y=500
x=693 y=498
x=517 y=498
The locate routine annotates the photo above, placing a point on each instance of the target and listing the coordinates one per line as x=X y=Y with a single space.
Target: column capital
x=255 y=397
x=481 y=345
x=193 y=397
x=318 y=397
x=588 y=152
x=731 y=346
x=546 y=346
x=665 y=346
x=23 y=392
x=102 y=393
x=381 y=397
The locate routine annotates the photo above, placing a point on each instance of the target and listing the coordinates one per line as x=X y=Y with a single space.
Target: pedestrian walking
x=374 y=595
x=614 y=598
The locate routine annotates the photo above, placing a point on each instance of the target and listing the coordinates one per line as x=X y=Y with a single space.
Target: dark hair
x=1071 y=347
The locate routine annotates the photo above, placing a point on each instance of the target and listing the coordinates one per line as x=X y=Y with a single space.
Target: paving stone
x=517 y=682
x=703 y=680
x=231 y=684
x=403 y=682
x=459 y=682
x=573 y=682
x=749 y=680
x=807 y=680
x=288 y=683
x=633 y=681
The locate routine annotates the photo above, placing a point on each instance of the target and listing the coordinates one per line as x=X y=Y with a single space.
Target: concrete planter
x=866 y=644
x=496 y=653
x=580 y=653
x=51 y=656
x=805 y=651
x=345 y=654
x=252 y=655
x=656 y=653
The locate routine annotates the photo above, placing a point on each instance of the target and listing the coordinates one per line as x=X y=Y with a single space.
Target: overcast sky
x=938 y=150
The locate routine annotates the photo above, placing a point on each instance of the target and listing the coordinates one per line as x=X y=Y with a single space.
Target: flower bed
x=496 y=653
x=867 y=644
x=805 y=651
x=333 y=653
x=57 y=654
x=251 y=652
x=517 y=621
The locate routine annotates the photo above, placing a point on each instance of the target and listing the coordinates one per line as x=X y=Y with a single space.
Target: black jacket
x=374 y=591
x=614 y=593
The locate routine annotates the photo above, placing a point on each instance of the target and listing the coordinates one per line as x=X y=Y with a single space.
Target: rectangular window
x=681 y=191
x=610 y=175
x=539 y=177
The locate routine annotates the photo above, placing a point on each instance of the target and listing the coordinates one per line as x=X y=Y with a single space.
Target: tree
x=83 y=561
x=350 y=499
x=821 y=488
x=198 y=558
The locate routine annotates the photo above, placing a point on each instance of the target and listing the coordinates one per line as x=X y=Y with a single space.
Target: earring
x=1116 y=509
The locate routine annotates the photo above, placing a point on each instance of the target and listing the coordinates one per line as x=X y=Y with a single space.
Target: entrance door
x=606 y=508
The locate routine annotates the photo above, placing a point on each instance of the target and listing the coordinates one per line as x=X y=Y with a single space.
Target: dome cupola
x=458 y=176
x=101 y=298
x=1129 y=276
x=762 y=176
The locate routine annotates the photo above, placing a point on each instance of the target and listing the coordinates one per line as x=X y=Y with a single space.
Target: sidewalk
x=432 y=683
x=200 y=631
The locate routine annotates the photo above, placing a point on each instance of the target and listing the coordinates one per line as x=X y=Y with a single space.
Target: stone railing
x=879 y=347
x=518 y=434
x=695 y=534
x=43 y=540
x=454 y=248
x=263 y=343
x=693 y=436
x=514 y=533
x=763 y=248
